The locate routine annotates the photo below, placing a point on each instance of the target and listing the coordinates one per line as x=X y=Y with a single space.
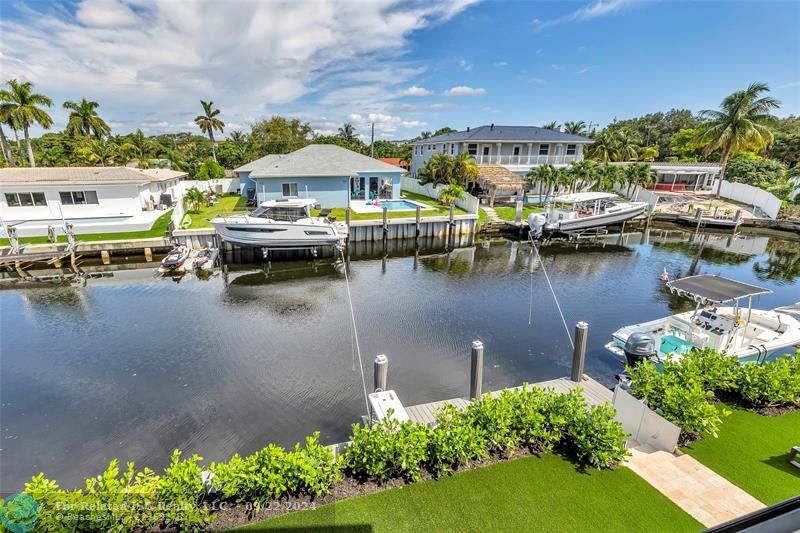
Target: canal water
x=130 y=366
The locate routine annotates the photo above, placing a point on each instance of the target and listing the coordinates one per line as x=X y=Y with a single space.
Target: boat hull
x=632 y=210
x=274 y=234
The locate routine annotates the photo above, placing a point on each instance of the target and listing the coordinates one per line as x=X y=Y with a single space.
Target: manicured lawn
x=440 y=210
x=507 y=213
x=226 y=205
x=159 y=229
x=752 y=452
x=530 y=494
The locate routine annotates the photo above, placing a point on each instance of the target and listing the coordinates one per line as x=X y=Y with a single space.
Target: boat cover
x=715 y=289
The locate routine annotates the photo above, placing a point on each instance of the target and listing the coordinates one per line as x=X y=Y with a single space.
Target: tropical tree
x=582 y=173
x=551 y=125
x=626 y=144
x=648 y=153
x=437 y=170
x=141 y=146
x=604 y=146
x=193 y=198
x=98 y=151
x=543 y=176
x=465 y=170
x=347 y=132
x=209 y=170
x=26 y=110
x=5 y=119
x=740 y=124
x=84 y=120
x=451 y=193
x=208 y=122
x=425 y=135
x=575 y=127
x=278 y=135
x=639 y=175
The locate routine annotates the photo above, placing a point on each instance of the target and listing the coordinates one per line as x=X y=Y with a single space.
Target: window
x=472 y=149
x=517 y=150
x=289 y=189
x=25 y=199
x=452 y=148
x=544 y=149
x=78 y=197
x=486 y=150
x=571 y=149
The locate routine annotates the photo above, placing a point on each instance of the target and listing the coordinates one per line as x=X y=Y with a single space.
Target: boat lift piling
x=476 y=370
x=579 y=351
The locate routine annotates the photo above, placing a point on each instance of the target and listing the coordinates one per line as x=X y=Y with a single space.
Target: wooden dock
x=593 y=392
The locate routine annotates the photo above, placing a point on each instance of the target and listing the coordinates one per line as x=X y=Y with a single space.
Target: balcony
x=526 y=160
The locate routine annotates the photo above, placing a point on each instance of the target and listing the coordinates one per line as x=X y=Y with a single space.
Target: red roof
x=396 y=161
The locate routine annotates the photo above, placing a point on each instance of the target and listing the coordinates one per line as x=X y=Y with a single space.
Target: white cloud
x=417 y=91
x=155 y=59
x=463 y=90
x=500 y=64
x=583 y=70
x=597 y=8
x=384 y=124
x=464 y=65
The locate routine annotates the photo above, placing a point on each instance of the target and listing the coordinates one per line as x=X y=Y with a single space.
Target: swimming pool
x=539 y=199
x=401 y=205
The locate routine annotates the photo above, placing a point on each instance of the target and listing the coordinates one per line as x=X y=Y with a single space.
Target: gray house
x=331 y=174
x=517 y=148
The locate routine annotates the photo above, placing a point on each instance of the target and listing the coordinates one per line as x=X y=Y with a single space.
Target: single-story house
x=92 y=199
x=331 y=174
x=680 y=176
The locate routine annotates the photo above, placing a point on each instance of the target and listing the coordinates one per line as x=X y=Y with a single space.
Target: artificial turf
x=530 y=494
x=752 y=452
x=226 y=205
x=508 y=213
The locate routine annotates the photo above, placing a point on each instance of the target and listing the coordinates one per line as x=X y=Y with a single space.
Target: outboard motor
x=536 y=221
x=638 y=347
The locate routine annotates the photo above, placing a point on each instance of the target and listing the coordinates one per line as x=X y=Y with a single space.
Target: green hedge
x=528 y=417
x=683 y=390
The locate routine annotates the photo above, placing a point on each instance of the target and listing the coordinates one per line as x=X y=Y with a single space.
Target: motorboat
x=750 y=335
x=174 y=260
x=284 y=223
x=204 y=259
x=581 y=212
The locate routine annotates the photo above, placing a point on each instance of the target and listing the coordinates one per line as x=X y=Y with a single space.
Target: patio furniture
x=794 y=460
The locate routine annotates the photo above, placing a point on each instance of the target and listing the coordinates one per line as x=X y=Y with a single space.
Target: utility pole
x=372 y=142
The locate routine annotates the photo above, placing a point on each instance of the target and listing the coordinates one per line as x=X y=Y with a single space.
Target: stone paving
x=698 y=490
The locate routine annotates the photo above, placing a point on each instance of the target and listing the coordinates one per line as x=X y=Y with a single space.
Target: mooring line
x=355 y=330
x=555 y=298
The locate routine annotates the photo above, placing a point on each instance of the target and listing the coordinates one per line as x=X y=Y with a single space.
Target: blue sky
x=408 y=66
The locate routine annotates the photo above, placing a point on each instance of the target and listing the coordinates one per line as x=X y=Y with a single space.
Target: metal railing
x=532 y=159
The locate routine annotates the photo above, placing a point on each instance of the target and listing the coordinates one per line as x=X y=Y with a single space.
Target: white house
x=680 y=176
x=517 y=148
x=331 y=174
x=93 y=199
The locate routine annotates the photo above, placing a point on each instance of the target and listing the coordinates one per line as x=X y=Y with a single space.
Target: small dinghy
x=174 y=260
x=204 y=259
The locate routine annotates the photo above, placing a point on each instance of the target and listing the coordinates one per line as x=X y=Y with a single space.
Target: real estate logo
x=19 y=513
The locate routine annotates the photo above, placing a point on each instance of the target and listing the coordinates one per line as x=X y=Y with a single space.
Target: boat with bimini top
x=581 y=212
x=750 y=335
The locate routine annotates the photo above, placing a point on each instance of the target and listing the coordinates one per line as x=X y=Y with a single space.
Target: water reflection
x=132 y=366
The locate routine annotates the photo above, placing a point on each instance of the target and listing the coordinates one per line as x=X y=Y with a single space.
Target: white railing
x=766 y=202
x=526 y=159
x=469 y=203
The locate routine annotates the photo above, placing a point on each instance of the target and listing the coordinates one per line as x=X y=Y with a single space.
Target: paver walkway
x=692 y=486
x=492 y=213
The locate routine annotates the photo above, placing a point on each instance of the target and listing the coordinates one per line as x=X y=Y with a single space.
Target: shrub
x=772 y=384
x=596 y=438
x=272 y=472
x=209 y=170
x=714 y=371
x=493 y=416
x=389 y=449
x=454 y=442
x=181 y=488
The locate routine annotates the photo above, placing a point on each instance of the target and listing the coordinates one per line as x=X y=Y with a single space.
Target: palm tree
x=437 y=170
x=543 y=175
x=576 y=127
x=648 y=153
x=740 y=124
x=604 y=146
x=84 y=120
x=639 y=175
x=142 y=146
x=193 y=199
x=627 y=144
x=209 y=122
x=451 y=193
x=5 y=118
x=464 y=169
x=26 y=111
x=606 y=176
x=582 y=173
x=102 y=151
x=551 y=125
x=347 y=132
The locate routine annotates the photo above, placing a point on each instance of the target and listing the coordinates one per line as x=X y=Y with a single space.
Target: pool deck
x=361 y=206
x=593 y=392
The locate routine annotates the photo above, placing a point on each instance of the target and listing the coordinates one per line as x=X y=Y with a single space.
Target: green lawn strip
x=752 y=452
x=159 y=229
x=439 y=210
x=226 y=205
x=530 y=494
x=507 y=213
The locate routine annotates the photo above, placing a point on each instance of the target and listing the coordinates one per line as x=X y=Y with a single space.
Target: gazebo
x=497 y=180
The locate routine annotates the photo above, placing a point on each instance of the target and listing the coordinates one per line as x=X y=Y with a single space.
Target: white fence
x=767 y=203
x=469 y=203
x=645 y=425
x=639 y=194
x=224 y=186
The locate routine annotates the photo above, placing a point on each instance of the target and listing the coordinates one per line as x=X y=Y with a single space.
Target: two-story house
x=517 y=148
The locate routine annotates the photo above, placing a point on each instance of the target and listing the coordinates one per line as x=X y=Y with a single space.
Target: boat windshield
x=282 y=213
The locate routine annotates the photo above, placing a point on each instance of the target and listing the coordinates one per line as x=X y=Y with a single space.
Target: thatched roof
x=499 y=178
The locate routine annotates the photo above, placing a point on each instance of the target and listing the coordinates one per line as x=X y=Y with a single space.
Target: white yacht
x=285 y=223
x=750 y=335
x=582 y=211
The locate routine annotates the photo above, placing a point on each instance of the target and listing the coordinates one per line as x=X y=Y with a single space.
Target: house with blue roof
x=331 y=174
x=517 y=148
